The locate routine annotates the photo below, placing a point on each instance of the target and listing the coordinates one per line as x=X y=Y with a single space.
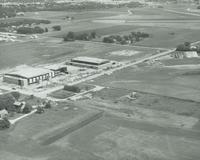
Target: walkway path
x=13 y=121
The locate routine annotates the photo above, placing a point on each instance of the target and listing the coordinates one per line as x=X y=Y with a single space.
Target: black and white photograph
x=99 y=79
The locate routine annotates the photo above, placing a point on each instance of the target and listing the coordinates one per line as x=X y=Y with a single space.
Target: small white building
x=3 y=113
x=57 y=69
x=28 y=75
x=185 y=54
x=20 y=14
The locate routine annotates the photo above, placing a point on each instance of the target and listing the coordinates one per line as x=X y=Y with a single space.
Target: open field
x=61 y=94
x=157 y=80
x=150 y=101
x=161 y=121
x=186 y=61
x=107 y=138
x=48 y=50
x=163 y=34
x=113 y=138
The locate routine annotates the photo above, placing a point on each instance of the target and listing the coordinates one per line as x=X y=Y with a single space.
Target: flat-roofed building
x=28 y=75
x=90 y=62
x=57 y=69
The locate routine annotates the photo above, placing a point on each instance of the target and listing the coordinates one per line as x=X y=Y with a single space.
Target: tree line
x=5 y=23
x=126 y=39
x=31 y=30
x=71 y=36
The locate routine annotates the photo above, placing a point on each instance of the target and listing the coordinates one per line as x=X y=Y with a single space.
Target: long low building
x=27 y=76
x=90 y=62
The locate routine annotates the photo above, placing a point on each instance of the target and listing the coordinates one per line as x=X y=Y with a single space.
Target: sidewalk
x=13 y=121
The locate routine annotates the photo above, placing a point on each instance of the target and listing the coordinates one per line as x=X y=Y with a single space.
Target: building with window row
x=31 y=75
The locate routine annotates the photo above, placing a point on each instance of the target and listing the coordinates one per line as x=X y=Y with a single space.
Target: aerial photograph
x=99 y=79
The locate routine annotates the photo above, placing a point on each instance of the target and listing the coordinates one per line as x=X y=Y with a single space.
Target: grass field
x=162 y=123
x=150 y=101
x=112 y=138
x=49 y=50
x=161 y=81
x=61 y=94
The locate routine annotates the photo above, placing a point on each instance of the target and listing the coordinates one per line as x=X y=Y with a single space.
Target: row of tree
x=184 y=47
x=87 y=6
x=5 y=23
x=126 y=39
x=71 y=36
x=30 y=30
x=7 y=12
x=10 y=11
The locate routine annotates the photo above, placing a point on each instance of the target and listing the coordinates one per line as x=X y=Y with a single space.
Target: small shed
x=3 y=113
x=19 y=106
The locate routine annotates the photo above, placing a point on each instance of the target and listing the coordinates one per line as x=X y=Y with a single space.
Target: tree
x=48 y=105
x=27 y=108
x=6 y=102
x=4 y=123
x=108 y=40
x=137 y=38
x=46 y=29
x=69 y=37
x=29 y=30
x=56 y=28
x=16 y=95
x=93 y=35
x=72 y=88
x=187 y=44
x=38 y=30
x=83 y=36
x=40 y=110
x=184 y=47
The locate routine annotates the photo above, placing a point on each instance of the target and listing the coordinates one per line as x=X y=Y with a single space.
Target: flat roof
x=55 y=66
x=28 y=72
x=90 y=60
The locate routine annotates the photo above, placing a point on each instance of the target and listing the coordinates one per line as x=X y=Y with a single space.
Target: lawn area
x=59 y=15
x=162 y=103
x=169 y=37
x=157 y=80
x=111 y=93
x=166 y=36
x=22 y=134
x=51 y=50
x=61 y=94
x=111 y=138
x=40 y=122
x=185 y=61
x=150 y=101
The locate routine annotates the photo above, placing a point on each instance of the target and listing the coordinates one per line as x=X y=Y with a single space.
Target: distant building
x=28 y=75
x=185 y=54
x=57 y=69
x=3 y=113
x=20 y=13
x=90 y=62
